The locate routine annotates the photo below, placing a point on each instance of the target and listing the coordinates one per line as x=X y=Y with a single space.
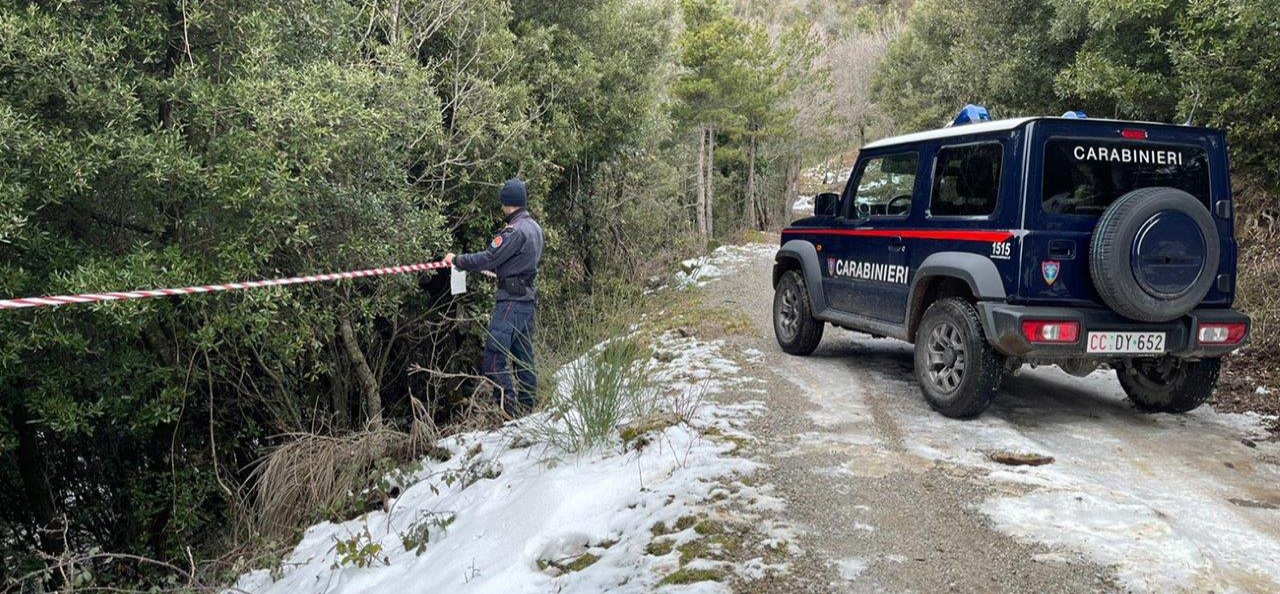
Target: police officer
x=513 y=256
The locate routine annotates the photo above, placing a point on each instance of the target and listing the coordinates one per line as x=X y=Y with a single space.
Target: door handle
x=896 y=244
x=1062 y=249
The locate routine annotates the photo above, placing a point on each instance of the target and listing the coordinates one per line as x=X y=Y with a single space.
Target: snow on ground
x=723 y=261
x=852 y=567
x=507 y=516
x=1171 y=501
x=803 y=204
x=1175 y=503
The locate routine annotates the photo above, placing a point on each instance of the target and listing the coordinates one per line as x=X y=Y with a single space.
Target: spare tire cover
x=1154 y=254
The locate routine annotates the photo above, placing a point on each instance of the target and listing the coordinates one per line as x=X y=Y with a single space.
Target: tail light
x=1222 y=333
x=1133 y=134
x=1054 y=331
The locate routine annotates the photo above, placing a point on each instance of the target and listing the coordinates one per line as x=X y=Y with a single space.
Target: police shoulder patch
x=497 y=242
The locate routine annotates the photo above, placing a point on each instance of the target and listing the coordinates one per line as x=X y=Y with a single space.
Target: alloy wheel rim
x=947 y=357
x=789 y=313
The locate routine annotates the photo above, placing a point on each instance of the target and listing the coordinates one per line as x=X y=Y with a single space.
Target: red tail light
x=1134 y=134
x=1055 y=331
x=1222 y=333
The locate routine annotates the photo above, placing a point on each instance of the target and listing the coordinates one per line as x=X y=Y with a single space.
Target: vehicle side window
x=966 y=180
x=885 y=186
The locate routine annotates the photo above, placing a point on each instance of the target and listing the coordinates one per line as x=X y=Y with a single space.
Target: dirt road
x=893 y=497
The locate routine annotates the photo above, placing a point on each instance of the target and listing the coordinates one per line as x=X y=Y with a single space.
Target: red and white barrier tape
x=54 y=301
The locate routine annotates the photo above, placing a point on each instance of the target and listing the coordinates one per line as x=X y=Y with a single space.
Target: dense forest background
x=150 y=143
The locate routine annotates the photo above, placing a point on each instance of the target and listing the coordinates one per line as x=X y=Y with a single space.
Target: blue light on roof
x=1075 y=115
x=970 y=114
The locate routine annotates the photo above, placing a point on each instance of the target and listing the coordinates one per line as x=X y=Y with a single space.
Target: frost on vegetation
x=524 y=509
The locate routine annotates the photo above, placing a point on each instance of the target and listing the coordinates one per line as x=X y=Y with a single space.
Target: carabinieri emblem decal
x=1050 y=268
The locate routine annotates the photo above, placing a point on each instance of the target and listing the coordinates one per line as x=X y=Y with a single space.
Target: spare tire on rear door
x=1154 y=254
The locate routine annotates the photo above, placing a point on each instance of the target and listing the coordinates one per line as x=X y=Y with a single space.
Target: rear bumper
x=1003 y=325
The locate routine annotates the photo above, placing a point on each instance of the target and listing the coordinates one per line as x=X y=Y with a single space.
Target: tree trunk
x=751 y=184
x=338 y=391
x=35 y=482
x=372 y=397
x=792 y=194
x=172 y=45
x=711 y=180
x=393 y=35
x=701 y=206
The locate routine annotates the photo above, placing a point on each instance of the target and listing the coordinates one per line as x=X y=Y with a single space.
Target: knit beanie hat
x=513 y=194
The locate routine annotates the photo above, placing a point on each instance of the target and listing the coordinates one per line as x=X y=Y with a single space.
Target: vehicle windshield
x=1084 y=176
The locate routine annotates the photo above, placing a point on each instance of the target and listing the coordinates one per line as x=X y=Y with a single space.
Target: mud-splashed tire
x=958 y=371
x=1174 y=387
x=797 y=331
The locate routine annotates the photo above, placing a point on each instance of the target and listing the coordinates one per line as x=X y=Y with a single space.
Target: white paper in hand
x=457 y=281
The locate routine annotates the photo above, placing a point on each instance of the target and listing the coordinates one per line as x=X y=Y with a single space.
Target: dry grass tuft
x=311 y=474
x=1258 y=289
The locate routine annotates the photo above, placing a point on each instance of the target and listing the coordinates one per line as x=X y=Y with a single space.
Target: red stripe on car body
x=984 y=236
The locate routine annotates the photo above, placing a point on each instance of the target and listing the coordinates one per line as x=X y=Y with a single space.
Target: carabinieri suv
x=989 y=244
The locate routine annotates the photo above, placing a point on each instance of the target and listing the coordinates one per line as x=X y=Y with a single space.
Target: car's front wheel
x=798 y=332
x=956 y=368
x=1169 y=385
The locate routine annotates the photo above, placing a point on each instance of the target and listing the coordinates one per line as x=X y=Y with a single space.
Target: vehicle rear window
x=1084 y=176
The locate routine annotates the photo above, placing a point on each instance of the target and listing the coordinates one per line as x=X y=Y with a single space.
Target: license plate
x=1151 y=343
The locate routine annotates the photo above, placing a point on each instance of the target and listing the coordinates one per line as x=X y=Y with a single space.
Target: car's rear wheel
x=1167 y=384
x=958 y=371
x=798 y=332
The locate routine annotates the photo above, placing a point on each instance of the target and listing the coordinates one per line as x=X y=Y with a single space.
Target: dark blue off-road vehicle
x=992 y=244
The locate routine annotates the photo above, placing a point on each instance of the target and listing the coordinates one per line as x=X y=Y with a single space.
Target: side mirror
x=824 y=205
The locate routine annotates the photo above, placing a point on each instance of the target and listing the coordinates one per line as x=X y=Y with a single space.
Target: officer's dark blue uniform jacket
x=513 y=253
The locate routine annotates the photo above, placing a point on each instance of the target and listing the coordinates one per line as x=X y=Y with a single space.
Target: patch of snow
x=722 y=261
x=852 y=567
x=1149 y=494
x=803 y=204
x=1174 y=502
x=1105 y=526
x=493 y=512
x=1262 y=390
